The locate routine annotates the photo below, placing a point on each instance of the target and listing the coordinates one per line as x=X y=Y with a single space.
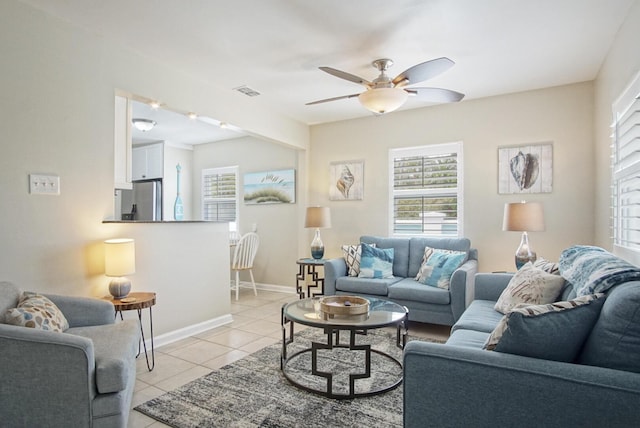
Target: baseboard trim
x=191 y=330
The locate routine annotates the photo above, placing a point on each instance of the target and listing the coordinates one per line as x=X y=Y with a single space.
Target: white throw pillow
x=532 y=286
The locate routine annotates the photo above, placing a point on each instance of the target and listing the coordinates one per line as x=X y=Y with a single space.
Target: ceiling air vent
x=247 y=91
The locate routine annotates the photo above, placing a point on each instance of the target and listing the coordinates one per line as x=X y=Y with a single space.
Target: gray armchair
x=83 y=377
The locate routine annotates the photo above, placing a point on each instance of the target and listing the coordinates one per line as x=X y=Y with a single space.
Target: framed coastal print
x=525 y=169
x=346 y=180
x=270 y=187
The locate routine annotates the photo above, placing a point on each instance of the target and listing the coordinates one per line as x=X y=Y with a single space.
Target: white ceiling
x=276 y=46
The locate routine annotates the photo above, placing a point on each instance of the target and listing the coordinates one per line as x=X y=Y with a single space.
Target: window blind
x=626 y=168
x=219 y=194
x=426 y=196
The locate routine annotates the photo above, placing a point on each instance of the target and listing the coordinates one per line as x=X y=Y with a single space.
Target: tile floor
x=256 y=324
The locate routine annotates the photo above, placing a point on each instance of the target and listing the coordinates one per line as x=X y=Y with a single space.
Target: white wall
x=277 y=223
x=57 y=109
x=620 y=66
x=561 y=115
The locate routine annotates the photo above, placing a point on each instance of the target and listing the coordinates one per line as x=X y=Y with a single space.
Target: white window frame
x=625 y=170
x=428 y=150
x=220 y=170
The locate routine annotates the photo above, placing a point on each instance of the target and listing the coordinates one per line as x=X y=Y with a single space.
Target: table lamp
x=523 y=217
x=317 y=217
x=119 y=260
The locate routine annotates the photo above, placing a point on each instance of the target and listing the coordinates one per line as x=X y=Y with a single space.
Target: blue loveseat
x=460 y=384
x=425 y=303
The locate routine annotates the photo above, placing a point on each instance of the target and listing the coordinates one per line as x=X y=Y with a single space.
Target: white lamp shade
x=523 y=217
x=119 y=257
x=319 y=217
x=383 y=100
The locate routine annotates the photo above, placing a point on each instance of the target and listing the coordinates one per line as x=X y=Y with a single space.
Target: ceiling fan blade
x=331 y=99
x=436 y=95
x=423 y=71
x=346 y=76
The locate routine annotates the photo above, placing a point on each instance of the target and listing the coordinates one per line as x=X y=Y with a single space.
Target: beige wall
x=561 y=115
x=620 y=66
x=58 y=84
x=277 y=223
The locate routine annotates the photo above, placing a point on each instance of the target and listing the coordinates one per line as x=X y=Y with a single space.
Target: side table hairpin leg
x=144 y=342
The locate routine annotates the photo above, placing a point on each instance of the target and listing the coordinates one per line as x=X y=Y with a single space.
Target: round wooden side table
x=138 y=301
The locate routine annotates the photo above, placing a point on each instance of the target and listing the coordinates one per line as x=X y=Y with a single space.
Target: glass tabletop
x=381 y=313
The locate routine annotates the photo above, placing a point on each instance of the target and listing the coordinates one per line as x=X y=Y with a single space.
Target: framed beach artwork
x=346 y=180
x=525 y=169
x=270 y=187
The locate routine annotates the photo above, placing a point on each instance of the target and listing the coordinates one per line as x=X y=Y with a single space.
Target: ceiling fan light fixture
x=383 y=100
x=143 y=125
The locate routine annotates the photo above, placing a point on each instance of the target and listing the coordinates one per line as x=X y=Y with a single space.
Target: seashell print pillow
x=532 y=286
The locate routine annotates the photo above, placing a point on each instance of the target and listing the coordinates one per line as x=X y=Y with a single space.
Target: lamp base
x=119 y=287
x=524 y=253
x=317 y=247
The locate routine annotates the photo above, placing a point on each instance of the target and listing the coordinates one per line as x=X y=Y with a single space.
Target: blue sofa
x=82 y=377
x=460 y=384
x=425 y=303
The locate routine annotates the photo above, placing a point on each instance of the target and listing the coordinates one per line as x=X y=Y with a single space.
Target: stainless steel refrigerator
x=143 y=202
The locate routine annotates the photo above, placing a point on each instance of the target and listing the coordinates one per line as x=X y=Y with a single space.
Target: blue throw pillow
x=555 y=331
x=376 y=262
x=438 y=266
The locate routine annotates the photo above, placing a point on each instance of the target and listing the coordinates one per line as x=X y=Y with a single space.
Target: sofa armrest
x=472 y=387
x=461 y=287
x=47 y=377
x=333 y=269
x=84 y=311
x=489 y=286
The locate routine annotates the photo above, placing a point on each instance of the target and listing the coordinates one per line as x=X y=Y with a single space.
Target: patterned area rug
x=252 y=392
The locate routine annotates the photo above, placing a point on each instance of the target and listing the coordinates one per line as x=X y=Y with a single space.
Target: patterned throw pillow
x=547 y=266
x=438 y=266
x=352 y=255
x=529 y=285
x=36 y=311
x=555 y=331
x=376 y=262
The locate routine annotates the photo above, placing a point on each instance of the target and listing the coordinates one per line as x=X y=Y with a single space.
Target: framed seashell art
x=525 y=169
x=346 y=180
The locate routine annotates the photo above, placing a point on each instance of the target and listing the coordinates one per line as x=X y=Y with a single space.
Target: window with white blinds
x=426 y=196
x=626 y=168
x=220 y=194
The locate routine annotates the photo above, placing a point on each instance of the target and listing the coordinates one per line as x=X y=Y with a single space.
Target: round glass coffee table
x=382 y=313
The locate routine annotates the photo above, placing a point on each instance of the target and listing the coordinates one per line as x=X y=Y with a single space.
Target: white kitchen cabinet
x=148 y=162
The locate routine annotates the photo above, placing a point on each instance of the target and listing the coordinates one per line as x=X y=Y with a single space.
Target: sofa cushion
x=36 y=311
x=400 y=252
x=9 y=297
x=352 y=255
x=468 y=338
x=417 y=246
x=555 y=331
x=479 y=316
x=594 y=270
x=376 y=262
x=377 y=287
x=614 y=341
x=530 y=285
x=438 y=266
x=408 y=289
x=115 y=346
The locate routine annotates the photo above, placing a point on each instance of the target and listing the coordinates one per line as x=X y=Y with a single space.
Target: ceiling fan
x=384 y=95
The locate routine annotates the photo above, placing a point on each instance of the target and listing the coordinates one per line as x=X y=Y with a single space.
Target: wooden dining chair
x=243 y=256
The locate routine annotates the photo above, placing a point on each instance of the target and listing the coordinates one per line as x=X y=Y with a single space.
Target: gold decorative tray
x=343 y=306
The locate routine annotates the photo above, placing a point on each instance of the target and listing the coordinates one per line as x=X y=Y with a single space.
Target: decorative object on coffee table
x=343 y=306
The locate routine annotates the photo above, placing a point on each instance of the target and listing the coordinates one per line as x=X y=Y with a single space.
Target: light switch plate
x=41 y=184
